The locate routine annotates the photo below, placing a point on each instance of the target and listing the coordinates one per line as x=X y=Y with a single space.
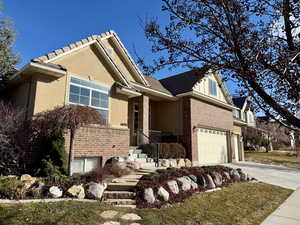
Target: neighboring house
x=98 y=72
x=243 y=116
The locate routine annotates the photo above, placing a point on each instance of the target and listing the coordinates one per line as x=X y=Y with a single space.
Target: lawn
x=243 y=203
x=276 y=158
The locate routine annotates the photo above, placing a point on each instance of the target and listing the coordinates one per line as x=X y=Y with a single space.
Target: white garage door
x=212 y=146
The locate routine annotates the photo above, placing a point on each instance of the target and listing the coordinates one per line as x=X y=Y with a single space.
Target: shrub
x=12 y=188
x=166 y=150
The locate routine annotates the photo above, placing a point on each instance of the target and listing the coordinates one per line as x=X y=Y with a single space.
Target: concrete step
x=118 y=195
x=142 y=156
x=126 y=206
x=138 y=151
x=120 y=201
x=133 y=147
x=141 y=160
x=125 y=180
x=127 y=186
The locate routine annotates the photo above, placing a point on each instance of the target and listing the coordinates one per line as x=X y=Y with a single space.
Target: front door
x=135 y=126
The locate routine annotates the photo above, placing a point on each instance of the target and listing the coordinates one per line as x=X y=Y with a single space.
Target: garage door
x=212 y=146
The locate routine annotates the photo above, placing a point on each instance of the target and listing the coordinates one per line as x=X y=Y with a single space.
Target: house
x=194 y=106
x=243 y=116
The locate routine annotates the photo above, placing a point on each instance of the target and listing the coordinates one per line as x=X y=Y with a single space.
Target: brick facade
x=197 y=113
x=95 y=141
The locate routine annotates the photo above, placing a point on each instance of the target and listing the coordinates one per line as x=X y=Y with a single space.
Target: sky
x=43 y=25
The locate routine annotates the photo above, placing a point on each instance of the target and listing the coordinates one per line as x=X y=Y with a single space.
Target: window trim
x=85 y=162
x=108 y=109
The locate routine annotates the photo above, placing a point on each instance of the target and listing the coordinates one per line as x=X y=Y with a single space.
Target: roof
x=239 y=101
x=183 y=82
x=156 y=85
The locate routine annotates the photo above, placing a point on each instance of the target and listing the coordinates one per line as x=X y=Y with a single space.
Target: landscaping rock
x=28 y=180
x=185 y=183
x=194 y=185
x=76 y=191
x=111 y=223
x=201 y=181
x=149 y=195
x=133 y=165
x=181 y=163
x=109 y=214
x=188 y=163
x=193 y=177
x=39 y=185
x=95 y=190
x=227 y=176
x=165 y=163
x=210 y=182
x=173 y=186
x=135 y=224
x=163 y=194
x=120 y=165
x=55 y=192
x=173 y=163
x=234 y=174
x=131 y=216
x=217 y=179
x=243 y=176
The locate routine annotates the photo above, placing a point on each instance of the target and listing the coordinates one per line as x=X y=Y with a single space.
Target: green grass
x=276 y=158
x=244 y=203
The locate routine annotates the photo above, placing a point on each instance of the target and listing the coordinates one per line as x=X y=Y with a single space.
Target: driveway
x=271 y=174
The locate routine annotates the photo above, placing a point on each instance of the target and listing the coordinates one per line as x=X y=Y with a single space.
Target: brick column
x=144 y=119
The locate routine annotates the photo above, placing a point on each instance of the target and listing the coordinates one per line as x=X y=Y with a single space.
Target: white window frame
x=90 y=96
x=85 y=162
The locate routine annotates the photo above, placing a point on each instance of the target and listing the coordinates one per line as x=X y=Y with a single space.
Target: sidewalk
x=288 y=213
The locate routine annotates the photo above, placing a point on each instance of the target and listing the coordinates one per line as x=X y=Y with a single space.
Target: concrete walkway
x=288 y=213
x=271 y=174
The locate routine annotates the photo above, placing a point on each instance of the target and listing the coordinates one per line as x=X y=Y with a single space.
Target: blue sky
x=44 y=26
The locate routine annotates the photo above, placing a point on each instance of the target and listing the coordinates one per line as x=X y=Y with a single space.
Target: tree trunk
x=72 y=134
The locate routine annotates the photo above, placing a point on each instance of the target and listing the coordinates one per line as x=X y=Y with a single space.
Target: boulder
x=217 y=178
x=201 y=181
x=28 y=180
x=76 y=191
x=133 y=165
x=193 y=178
x=188 y=163
x=120 y=165
x=39 y=185
x=210 y=182
x=109 y=214
x=163 y=194
x=173 y=163
x=118 y=159
x=131 y=216
x=243 y=176
x=165 y=163
x=194 y=185
x=234 y=174
x=149 y=195
x=227 y=176
x=185 y=183
x=55 y=192
x=173 y=186
x=180 y=163
x=95 y=190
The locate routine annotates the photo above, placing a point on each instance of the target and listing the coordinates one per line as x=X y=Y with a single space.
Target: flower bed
x=172 y=185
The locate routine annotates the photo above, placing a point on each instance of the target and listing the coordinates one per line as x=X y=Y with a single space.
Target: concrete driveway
x=277 y=175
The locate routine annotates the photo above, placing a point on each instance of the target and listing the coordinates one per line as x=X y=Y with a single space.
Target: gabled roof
x=239 y=101
x=183 y=82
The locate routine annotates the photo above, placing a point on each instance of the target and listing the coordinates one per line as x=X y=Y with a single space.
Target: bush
x=166 y=150
x=12 y=188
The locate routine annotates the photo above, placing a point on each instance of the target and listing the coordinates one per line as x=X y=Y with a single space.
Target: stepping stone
x=131 y=216
x=135 y=224
x=109 y=214
x=111 y=223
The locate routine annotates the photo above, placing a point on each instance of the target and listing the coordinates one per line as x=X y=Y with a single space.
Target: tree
x=8 y=59
x=254 y=43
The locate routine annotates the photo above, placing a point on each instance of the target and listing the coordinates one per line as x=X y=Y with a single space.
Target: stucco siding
x=237 y=130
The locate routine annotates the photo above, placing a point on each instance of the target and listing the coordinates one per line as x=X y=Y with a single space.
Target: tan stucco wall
x=237 y=130
x=87 y=64
x=167 y=117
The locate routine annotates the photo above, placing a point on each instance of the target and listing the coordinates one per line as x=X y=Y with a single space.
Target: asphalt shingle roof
x=239 y=101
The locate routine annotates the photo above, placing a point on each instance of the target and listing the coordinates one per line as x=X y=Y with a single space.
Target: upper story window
x=212 y=87
x=90 y=94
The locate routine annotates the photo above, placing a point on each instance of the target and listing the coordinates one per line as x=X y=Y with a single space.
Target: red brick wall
x=95 y=141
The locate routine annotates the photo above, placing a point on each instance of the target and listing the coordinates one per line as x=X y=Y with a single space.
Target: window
x=212 y=87
x=83 y=165
x=90 y=94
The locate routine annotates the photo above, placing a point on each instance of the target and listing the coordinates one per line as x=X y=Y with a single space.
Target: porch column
x=144 y=119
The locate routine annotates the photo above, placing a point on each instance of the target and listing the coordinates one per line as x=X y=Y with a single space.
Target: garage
x=212 y=146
